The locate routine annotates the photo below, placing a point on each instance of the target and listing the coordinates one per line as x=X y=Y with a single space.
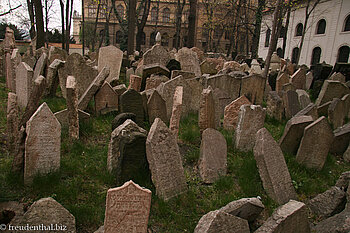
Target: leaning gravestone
x=206 y=116
x=298 y=79
x=281 y=80
x=251 y=118
x=127 y=208
x=291 y=103
x=304 y=98
x=309 y=78
x=131 y=101
x=111 y=57
x=336 y=113
x=156 y=107
x=40 y=66
x=275 y=106
x=56 y=53
x=106 y=99
x=52 y=77
x=24 y=84
x=42 y=145
x=213 y=156
x=12 y=122
x=231 y=112
x=310 y=110
x=313 y=153
x=331 y=89
x=155 y=80
x=189 y=61
x=293 y=132
x=164 y=160
x=253 y=88
x=121 y=118
x=341 y=139
x=272 y=168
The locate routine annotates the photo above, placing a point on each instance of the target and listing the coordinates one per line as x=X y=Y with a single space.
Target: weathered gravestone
x=111 y=57
x=72 y=107
x=309 y=78
x=253 y=88
x=293 y=132
x=206 y=115
x=135 y=82
x=251 y=118
x=337 y=77
x=56 y=53
x=218 y=221
x=291 y=103
x=156 y=107
x=185 y=74
x=331 y=89
x=196 y=93
x=121 y=118
x=231 y=84
x=298 y=79
x=127 y=209
x=12 y=122
x=40 y=66
x=281 y=80
x=43 y=144
x=272 y=168
x=128 y=73
x=231 y=112
x=289 y=218
x=164 y=160
x=24 y=84
x=131 y=101
x=174 y=124
x=155 y=80
x=275 y=106
x=16 y=59
x=52 y=77
x=336 y=114
x=313 y=153
x=157 y=54
x=310 y=110
x=8 y=71
x=189 y=61
x=213 y=156
x=62 y=116
x=127 y=153
x=341 y=139
x=106 y=99
x=303 y=97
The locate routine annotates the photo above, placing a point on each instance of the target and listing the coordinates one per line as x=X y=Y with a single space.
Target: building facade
x=327 y=36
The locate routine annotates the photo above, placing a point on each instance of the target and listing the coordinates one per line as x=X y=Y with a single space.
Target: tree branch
x=9 y=11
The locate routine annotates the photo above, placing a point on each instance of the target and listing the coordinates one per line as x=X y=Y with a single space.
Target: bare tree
x=62 y=24
x=31 y=16
x=131 y=26
x=192 y=23
x=40 y=37
x=257 y=28
x=179 y=8
x=10 y=10
x=143 y=9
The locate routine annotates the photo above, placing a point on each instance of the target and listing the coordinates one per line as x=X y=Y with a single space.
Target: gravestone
x=165 y=161
x=252 y=87
x=135 y=82
x=331 y=89
x=156 y=107
x=185 y=74
x=62 y=116
x=341 y=139
x=12 y=123
x=251 y=118
x=288 y=87
x=173 y=65
x=127 y=153
x=310 y=110
x=52 y=77
x=127 y=208
x=231 y=112
x=272 y=168
x=189 y=61
x=131 y=101
x=42 y=145
x=120 y=89
x=275 y=62
x=230 y=84
x=298 y=79
x=40 y=66
x=106 y=99
x=157 y=54
x=155 y=80
x=336 y=114
x=322 y=110
x=337 y=77
x=128 y=73
x=255 y=67
x=293 y=132
x=121 y=118
x=111 y=57
x=23 y=84
x=275 y=106
x=206 y=115
x=213 y=156
x=303 y=97
x=56 y=53
x=8 y=71
x=16 y=59
x=72 y=107
x=281 y=80
x=309 y=78
x=174 y=124
x=313 y=153
x=196 y=93
x=291 y=103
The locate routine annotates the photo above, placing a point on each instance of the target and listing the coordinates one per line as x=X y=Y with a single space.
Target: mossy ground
x=82 y=182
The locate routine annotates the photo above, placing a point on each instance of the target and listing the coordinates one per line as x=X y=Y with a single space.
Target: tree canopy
x=19 y=33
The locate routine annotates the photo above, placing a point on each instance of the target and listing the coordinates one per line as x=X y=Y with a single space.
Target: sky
x=20 y=16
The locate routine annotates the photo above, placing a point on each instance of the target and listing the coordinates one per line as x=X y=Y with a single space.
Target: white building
x=327 y=36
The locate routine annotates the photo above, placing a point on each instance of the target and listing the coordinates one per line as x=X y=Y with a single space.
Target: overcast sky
x=20 y=15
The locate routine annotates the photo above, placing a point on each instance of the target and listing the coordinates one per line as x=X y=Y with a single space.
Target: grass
x=82 y=182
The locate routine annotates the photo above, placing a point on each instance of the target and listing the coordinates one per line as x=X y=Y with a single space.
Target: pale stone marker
x=272 y=168
x=275 y=106
x=336 y=113
x=12 y=122
x=298 y=79
x=206 y=115
x=251 y=118
x=135 y=82
x=231 y=112
x=23 y=84
x=157 y=54
x=127 y=209
x=72 y=107
x=331 y=89
x=304 y=98
x=106 y=99
x=252 y=87
x=16 y=59
x=213 y=156
x=156 y=107
x=164 y=161
x=174 y=124
x=309 y=78
x=189 y=61
x=313 y=152
x=40 y=66
x=52 y=77
x=155 y=80
x=111 y=57
x=43 y=144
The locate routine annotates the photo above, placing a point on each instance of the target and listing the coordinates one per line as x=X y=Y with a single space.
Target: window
x=316 y=56
x=343 y=54
x=280 y=52
x=165 y=39
x=154 y=14
x=91 y=10
x=283 y=29
x=267 y=38
x=299 y=30
x=152 y=38
x=321 y=27
x=166 y=15
x=120 y=10
x=295 y=54
x=118 y=37
x=347 y=24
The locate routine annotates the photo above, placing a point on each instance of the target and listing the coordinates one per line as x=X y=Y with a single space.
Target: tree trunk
x=192 y=24
x=141 y=25
x=31 y=16
x=40 y=37
x=257 y=28
x=46 y=23
x=179 y=10
x=285 y=33
x=62 y=24
x=83 y=25
x=67 y=25
x=95 y=27
x=131 y=26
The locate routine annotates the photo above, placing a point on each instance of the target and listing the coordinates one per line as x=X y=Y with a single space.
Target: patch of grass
x=189 y=129
x=55 y=103
x=275 y=127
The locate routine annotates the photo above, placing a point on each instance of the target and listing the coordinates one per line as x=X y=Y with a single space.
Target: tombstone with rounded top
x=111 y=57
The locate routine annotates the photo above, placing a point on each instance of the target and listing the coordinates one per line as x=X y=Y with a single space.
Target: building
x=213 y=23
x=327 y=37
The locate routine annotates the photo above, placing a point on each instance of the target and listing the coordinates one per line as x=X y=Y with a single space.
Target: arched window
x=283 y=30
x=316 y=56
x=120 y=10
x=280 y=52
x=347 y=24
x=152 y=38
x=267 y=38
x=295 y=54
x=343 y=54
x=91 y=10
x=321 y=27
x=166 y=15
x=299 y=30
x=165 y=39
x=118 y=37
x=154 y=14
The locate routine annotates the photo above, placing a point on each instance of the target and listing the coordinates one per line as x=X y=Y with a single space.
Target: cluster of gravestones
x=164 y=87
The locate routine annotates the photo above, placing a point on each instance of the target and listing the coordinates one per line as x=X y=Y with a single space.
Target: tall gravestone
x=174 y=124
x=111 y=57
x=127 y=209
x=253 y=88
x=43 y=144
x=231 y=112
x=131 y=101
x=206 y=118
x=156 y=107
x=24 y=83
x=72 y=107
x=165 y=162
x=298 y=79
